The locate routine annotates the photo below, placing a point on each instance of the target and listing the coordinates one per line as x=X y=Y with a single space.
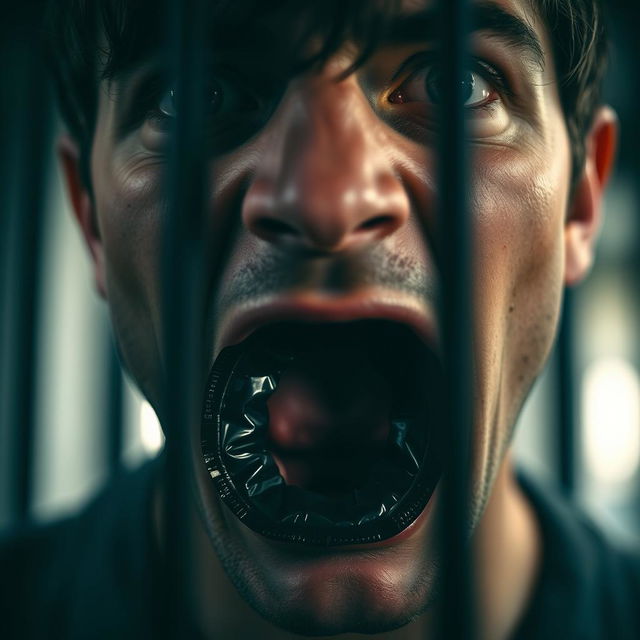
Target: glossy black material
x=236 y=451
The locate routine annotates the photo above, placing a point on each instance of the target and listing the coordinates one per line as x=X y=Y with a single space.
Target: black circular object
x=234 y=445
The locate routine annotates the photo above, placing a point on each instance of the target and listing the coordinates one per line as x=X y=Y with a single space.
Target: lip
x=375 y=304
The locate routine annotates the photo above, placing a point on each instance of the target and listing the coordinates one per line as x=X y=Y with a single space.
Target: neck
x=507 y=551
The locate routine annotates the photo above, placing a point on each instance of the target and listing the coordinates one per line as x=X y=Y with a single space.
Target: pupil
x=468 y=85
x=434 y=87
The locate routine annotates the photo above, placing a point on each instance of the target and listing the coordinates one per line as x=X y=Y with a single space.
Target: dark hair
x=580 y=47
x=92 y=40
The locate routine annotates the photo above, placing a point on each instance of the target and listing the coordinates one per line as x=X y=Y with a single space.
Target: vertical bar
x=181 y=290
x=566 y=400
x=30 y=180
x=456 y=323
x=190 y=277
x=9 y=112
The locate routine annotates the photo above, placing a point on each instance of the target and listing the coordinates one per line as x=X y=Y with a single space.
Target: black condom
x=235 y=447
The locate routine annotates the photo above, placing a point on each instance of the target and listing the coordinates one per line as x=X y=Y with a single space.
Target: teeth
x=235 y=449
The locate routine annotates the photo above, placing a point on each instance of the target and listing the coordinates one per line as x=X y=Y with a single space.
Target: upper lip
x=240 y=322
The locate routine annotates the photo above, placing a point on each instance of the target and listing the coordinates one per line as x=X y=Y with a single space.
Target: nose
x=325 y=181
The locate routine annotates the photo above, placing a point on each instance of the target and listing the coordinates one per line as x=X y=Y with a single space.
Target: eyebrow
x=485 y=16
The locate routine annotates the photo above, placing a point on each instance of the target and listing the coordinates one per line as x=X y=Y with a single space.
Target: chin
x=340 y=619
x=329 y=594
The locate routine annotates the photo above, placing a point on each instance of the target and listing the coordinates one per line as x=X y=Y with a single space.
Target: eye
x=425 y=85
x=222 y=98
x=235 y=109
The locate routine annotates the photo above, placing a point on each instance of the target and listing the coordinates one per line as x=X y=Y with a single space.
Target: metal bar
x=9 y=112
x=566 y=399
x=30 y=180
x=456 y=324
x=196 y=246
x=181 y=290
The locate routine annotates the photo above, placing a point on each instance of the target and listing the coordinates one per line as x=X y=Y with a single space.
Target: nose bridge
x=328 y=137
x=326 y=180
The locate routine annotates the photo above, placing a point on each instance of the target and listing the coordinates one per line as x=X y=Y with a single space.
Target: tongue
x=328 y=415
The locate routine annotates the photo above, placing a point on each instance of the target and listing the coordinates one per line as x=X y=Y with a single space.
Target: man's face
x=334 y=189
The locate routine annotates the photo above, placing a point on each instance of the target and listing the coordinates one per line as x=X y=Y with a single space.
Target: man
x=324 y=153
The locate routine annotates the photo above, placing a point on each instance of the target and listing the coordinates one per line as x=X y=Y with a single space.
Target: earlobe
x=585 y=210
x=82 y=205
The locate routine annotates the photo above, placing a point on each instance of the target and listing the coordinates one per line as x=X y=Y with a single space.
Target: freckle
x=511 y=308
x=525 y=359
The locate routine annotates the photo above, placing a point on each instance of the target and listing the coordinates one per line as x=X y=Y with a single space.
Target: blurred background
x=80 y=420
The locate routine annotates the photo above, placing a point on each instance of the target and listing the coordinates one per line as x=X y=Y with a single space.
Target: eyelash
x=497 y=78
x=425 y=59
x=150 y=107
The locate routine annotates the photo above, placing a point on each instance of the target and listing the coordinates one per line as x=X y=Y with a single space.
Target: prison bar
x=182 y=262
x=185 y=275
x=9 y=113
x=455 y=313
x=30 y=172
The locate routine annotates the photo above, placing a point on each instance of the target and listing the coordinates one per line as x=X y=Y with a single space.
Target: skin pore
x=332 y=188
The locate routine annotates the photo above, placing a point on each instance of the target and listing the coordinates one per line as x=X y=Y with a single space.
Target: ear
x=585 y=210
x=83 y=207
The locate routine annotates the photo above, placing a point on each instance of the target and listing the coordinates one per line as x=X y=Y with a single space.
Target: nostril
x=273 y=227
x=383 y=222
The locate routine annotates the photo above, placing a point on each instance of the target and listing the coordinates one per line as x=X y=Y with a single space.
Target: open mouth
x=325 y=434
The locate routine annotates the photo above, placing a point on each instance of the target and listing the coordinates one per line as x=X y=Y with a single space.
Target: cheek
x=129 y=206
x=518 y=216
x=131 y=201
x=521 y=204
